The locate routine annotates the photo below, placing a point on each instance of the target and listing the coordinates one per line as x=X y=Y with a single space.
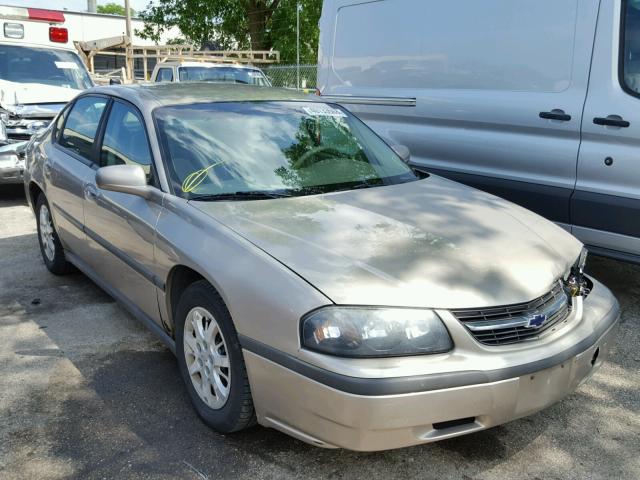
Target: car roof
x=149 y=96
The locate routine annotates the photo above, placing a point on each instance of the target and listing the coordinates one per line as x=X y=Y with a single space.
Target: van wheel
x=210 y=360
x=50 y=246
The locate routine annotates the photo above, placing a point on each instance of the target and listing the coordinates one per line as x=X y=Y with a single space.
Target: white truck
x=39 y=73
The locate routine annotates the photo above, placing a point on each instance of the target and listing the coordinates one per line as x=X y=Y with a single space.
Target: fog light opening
x=595 y=356
x=454 y=423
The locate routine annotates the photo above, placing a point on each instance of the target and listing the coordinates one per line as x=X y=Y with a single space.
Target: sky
x=75 y=5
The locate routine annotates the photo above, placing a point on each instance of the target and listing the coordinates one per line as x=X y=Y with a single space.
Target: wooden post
x=129 y=47
x=144 y=62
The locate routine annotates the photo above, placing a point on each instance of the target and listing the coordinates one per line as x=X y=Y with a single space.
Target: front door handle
x=90 y=192
x=555 y=114
x=611 y=121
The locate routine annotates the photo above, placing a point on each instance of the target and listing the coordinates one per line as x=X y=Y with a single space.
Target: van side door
x=487 y=93
x=605 y=208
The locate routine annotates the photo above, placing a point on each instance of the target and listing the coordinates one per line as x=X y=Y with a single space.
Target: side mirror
x=124 y=179
x=115 y=81
x=403 y=152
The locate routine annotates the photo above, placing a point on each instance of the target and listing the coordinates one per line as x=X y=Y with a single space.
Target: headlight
x=576 y=283
x=374 y=332
x=582 y=260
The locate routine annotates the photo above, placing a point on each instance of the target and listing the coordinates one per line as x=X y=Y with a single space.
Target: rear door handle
x=90 y=192
x=611 y=121
x=555 y=114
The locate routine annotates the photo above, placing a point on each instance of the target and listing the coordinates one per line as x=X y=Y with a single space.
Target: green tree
x=113 y=8
x=255 y=24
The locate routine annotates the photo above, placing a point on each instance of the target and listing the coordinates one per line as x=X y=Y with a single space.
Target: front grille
x=19 y=136
x=511 y=324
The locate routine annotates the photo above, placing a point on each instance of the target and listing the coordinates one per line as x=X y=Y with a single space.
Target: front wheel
x=50 y=246
x=210 y=360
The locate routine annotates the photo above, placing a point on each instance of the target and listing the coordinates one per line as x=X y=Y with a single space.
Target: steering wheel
x=302 y=161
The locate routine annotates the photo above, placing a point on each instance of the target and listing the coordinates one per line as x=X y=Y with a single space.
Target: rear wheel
x=50 y=246
x=210 y=360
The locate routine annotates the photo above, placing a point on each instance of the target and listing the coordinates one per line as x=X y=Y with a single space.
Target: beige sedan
x=305 y=276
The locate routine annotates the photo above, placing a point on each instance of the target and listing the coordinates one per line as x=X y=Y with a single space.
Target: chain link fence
x=285 y=76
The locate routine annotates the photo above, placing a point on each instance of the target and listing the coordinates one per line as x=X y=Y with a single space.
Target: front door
x=120 y=227
x=605 y=209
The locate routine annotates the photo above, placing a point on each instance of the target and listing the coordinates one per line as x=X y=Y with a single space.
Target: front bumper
x=332 y=410
x=12 y=163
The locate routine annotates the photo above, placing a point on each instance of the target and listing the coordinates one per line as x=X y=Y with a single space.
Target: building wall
x=93 y=26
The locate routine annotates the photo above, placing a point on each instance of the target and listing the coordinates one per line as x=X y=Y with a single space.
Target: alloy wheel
x=46 y=233
x=205 y=352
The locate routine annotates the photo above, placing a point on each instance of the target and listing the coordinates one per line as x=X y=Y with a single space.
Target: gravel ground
x=86 y=392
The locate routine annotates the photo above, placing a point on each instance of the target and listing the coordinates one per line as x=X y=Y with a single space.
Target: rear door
x=606 y=204
x=489 y=93
x=121 y=227
x=70 y=166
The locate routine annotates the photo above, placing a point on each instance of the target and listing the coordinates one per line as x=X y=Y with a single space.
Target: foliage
x=113 y=8
x=239 y=24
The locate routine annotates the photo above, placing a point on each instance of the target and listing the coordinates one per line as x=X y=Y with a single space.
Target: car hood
x=430 y=243
x=13 y=94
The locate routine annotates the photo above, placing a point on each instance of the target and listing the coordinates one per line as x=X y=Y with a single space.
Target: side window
x=631 y=47
x=522 y=46
x=81 y=125
x=165 y=75
x=125 y=139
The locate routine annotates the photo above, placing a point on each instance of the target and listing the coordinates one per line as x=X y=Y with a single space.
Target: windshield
x=286 y=148
x=223 y=74
x=59 y=68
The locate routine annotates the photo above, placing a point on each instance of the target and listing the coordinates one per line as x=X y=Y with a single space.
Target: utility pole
x=129 y=47
x=298 y=45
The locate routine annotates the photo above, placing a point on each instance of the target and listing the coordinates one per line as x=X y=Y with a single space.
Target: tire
x=220 y=395
x=50 y=246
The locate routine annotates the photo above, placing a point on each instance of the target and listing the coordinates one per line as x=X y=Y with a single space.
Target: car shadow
x=12 y=195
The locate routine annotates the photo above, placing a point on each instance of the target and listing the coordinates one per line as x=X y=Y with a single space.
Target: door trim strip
x=127 y=259
x=357 y=100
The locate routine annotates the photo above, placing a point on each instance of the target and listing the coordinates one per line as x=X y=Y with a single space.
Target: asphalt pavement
x=86 y=392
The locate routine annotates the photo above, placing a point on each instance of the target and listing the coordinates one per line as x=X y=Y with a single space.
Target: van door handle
x=555 y=114
x=611 y=121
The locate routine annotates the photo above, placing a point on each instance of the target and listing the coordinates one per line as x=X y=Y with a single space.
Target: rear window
x=81 y=126
x=631 y=46
x=223 y=74
x=524 y=45
x=59 y=68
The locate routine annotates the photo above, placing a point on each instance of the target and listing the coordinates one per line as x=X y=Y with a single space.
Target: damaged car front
x=35 y=84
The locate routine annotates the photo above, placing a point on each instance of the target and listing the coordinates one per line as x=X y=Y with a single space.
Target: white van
x=40 y=72
x=537 y=101
x=180 y=71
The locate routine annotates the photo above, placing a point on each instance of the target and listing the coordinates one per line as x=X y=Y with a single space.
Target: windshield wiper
x=248 y=195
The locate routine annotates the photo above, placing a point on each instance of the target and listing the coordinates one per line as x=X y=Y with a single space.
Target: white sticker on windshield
x=322 y=110
x=67 y=65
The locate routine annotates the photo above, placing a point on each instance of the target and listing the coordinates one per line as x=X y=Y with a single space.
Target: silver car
x=305 y=277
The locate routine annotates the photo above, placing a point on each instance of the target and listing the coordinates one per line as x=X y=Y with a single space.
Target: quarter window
x=165 y=75
x=80 y=128
x=631 y=47
x=125 y=140
x=60 y=122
